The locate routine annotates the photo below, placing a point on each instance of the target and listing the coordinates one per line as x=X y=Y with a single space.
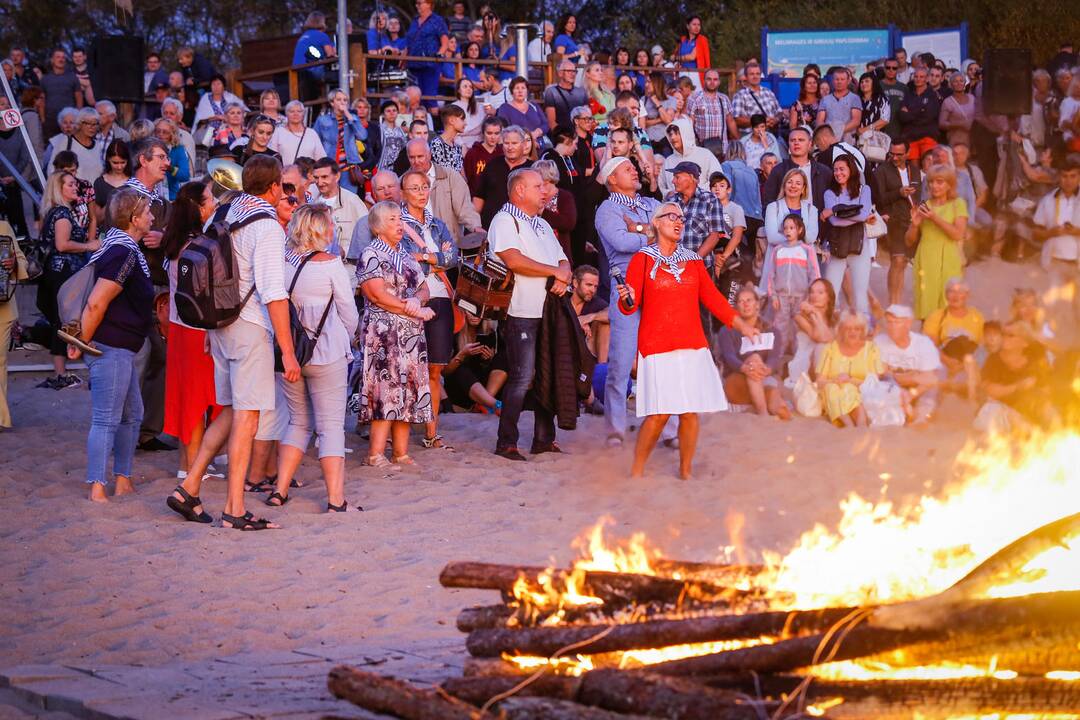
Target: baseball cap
x=900 y=311
x=656 y=50
x=686 y=166
x=610 y=165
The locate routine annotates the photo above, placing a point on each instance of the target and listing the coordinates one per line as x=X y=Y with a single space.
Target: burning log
x=545 y=641
x=622 y=691
x=484 y=616
x=615 y=589
x=1030 y=616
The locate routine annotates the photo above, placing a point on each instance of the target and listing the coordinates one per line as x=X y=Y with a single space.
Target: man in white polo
x=345 y=205
x=528 y=246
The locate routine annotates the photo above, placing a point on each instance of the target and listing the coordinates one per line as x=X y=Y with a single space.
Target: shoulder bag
x=303 y=344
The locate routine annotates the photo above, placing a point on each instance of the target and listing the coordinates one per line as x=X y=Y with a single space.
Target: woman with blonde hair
x=601 y=100
x=179 y=168
x=270 y=106
x=938 y=225
x=843 y=366
x=794 y=199
x=321 y=293
x=70 y=246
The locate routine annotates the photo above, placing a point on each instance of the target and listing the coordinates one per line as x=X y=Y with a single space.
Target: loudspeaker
x=1007 y=82
x=117 y=62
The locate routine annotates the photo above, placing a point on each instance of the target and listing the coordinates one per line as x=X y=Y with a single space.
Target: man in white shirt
x=528 y=246
x=346 y=206
x=496 y=94
x=1057 y=224
x=912 y=362
x=244 y=351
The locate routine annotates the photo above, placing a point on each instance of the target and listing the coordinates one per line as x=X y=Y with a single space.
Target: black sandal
x=186 y=508
x=281 y=499
x=261 y=486
x=245 y=522
x=294 y=483
x=343 y=507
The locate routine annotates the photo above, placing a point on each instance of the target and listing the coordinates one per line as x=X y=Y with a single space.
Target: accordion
x=484 y=287
x=389 y=78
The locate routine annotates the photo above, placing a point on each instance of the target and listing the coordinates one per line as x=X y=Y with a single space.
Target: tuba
x=225 y=173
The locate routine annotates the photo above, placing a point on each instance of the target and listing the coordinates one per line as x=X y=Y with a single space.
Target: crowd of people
x=673 y=250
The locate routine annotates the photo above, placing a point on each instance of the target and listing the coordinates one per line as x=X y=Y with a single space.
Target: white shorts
x=244 y=366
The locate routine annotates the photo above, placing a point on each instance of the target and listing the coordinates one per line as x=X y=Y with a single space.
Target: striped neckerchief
x=420 y=226
x=517 y=213
x=670 y=262
x=396 y=254
x=115 y=237
x=137 y=184
x=244 y=206
x=634 y=202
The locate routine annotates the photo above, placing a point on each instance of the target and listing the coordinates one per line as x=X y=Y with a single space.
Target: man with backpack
x=241 y=337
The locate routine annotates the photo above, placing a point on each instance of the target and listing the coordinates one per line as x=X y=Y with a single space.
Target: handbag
x=878 y=228
x=303 y=344
x=846 y=240
x=874 y=145
x=846 y=210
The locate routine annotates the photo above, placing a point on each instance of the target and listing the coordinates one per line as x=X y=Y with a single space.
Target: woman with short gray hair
x=395 y=389
x=560 y=209
x=294 y=139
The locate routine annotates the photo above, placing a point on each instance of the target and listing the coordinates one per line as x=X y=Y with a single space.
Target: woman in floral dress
x=395 y=390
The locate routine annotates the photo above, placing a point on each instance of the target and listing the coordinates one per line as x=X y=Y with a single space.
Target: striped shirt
x=259 y=248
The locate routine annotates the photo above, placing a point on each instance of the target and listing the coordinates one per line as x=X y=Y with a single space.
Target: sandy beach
x=131 y=583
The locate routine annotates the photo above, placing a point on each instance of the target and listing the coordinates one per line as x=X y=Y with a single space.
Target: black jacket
x=564 y=365
x=888 y=199
x=820 y=177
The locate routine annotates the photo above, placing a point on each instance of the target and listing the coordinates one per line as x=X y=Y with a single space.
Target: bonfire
x=960 y=606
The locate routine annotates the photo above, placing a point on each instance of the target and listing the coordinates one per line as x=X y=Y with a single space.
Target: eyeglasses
x=672 y=216
x=416 y=188
x=159 y=156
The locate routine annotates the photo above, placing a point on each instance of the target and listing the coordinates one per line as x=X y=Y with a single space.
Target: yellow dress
x=937 y=259
x=943 y=327
x=840 y=400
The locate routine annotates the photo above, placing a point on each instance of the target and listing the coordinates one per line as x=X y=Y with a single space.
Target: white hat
x=657 y=50
x=900 y=311
x=609 y=167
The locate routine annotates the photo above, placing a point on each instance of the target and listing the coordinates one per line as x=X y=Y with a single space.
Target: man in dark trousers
x=897 y=187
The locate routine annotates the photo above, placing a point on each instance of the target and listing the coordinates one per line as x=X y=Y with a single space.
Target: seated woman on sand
x=844 y=364
x=957 y=331
x=815 y=323
x=1017 y=383
x=752 y=377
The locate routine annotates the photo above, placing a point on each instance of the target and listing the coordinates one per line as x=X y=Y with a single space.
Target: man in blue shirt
x=313 y=45
x=623 y=224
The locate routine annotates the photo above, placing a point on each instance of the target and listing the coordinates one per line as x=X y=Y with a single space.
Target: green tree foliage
x=216 y=27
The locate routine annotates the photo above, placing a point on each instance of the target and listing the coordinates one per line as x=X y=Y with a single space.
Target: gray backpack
x=207 y=275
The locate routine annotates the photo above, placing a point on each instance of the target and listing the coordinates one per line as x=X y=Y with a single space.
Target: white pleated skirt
x=677 y=382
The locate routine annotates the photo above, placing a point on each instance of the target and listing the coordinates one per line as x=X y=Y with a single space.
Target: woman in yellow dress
x=842 y=367
x=939 y=225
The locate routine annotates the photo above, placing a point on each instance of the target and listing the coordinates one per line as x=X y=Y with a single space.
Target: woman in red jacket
x=676 y=374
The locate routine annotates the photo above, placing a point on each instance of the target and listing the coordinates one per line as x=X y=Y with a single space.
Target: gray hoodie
x=692 y=152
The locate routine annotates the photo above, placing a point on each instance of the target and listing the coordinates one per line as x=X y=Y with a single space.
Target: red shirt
x=670 y=317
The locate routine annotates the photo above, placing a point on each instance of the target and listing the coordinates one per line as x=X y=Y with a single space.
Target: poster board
x=948 y=44
x=786 y=52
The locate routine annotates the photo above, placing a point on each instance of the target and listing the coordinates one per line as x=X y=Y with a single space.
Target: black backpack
x=207 y=275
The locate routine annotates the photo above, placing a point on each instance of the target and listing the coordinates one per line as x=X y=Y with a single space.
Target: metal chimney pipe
x=521 y=41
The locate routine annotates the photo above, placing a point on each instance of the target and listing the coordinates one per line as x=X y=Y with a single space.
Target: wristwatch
x=426 y=257
x=639 y=228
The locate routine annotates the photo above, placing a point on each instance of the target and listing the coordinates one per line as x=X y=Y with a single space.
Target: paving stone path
x=255 y=685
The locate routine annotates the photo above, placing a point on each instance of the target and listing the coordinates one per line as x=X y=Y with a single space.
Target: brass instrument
x=226 y=173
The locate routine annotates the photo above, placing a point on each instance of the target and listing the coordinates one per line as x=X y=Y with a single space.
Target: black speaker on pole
x=117 y=62
x=1007 y=82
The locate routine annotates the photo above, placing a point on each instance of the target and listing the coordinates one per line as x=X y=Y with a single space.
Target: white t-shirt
x=919 y=355
x=290 y=146
x=1055 y=210
x=346 y=208
x=505 y=233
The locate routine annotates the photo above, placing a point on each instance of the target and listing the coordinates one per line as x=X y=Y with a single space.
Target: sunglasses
x=292 y=200
x=289 y=188
x=892 y=67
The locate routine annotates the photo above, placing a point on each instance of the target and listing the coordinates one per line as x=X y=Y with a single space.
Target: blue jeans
x=116 y=411
x=520 y=338
x=622 y=352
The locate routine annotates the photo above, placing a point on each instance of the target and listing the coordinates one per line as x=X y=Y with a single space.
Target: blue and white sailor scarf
x=669 y=262
x=244 y=206
x=397 y=255
x=635 y=202
x=115 y=237
x=137 y=184
x=519 y=214
x=420 y=227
